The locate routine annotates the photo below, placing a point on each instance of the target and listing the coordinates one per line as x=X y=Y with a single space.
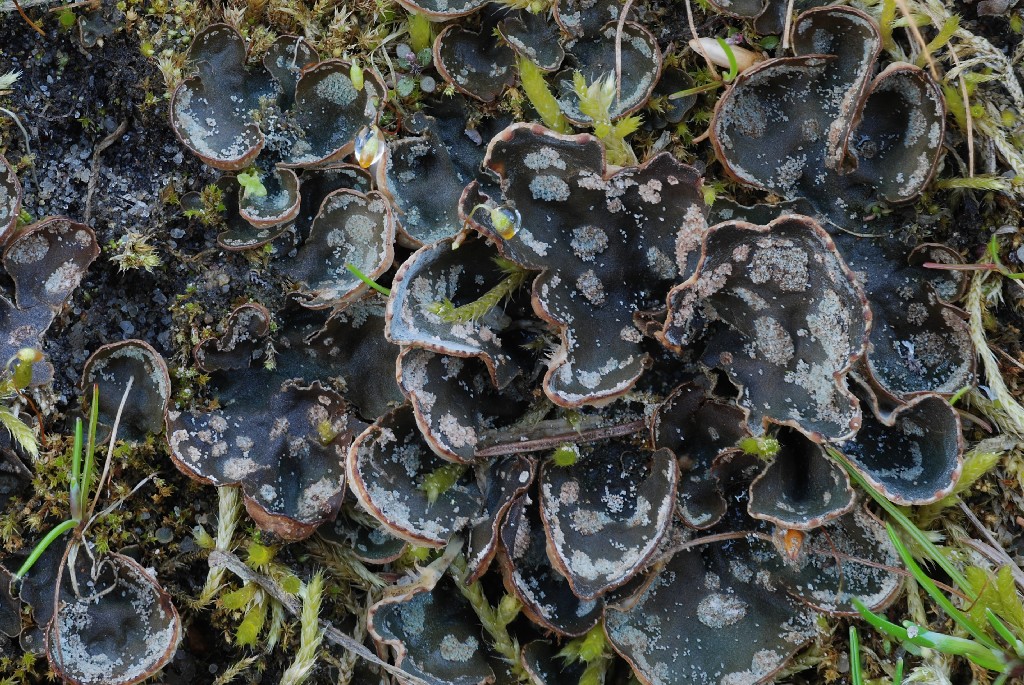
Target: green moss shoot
x=540 y=96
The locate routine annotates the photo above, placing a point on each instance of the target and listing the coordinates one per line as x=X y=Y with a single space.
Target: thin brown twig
x=997 y=549
x=717 y=537
x=55 y=622
x=618 y=48
x=39 y=418
x=28 y=144
x=552 y=441
x=232 y=563
x=35 y=26
x=916 y=32
x=700 y=46
x=8 y=5
x=970 y=606
x=968 y=117
x=996 y=558
x=975 y=419
x=835 y=554
x=21 y=127
x=122 y=500
x=95 y=170
x=998 y=350
x=93 y=4
x=788 y=27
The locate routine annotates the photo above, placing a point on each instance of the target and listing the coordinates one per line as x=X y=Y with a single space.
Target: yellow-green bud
x=25 y=357
x=355 y=72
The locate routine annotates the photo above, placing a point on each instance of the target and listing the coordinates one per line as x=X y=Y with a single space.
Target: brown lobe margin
x=828 y=245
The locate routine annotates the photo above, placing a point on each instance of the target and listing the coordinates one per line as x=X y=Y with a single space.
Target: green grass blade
x=1005 y=633
x=734 y=67
x=856 y=677
x=76 y=498
x=386 y=292
x=42 y=546
x=993 y=660
x=933 y=591
x=76 y=456
x=914 y=637
x=90 y=447
x=714 y=85
x=888 y=628
x=912 y=530
x=897 y=678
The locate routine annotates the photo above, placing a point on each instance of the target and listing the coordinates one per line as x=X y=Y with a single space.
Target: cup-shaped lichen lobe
x=920 y=343
x=436 y=274
x=111 y=367
x=547 y=597
x=350 y=230
x=46 y=261
x=606 y=514
x=858 y=142
x=10 y=198
x=784 y=317
x=126 y=630
x=802 y=488
x=287 y=452
x=608 y=245
x=473 y=62
x=534 y=38
x=285 y=448
x=708 y=619
x=435 y=636
x=701 y=430
x=388 y=465
x=424 y=174
x=456 y=403
x=304 y=111
x=912 y=455
x=329 y=110
x=212 y=113
x=507 y=480
x=736 y=610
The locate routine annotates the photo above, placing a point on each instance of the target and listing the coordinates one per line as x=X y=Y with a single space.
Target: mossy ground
x=70 y=99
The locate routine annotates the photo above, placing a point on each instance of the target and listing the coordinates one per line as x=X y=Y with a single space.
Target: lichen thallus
x=506 y=222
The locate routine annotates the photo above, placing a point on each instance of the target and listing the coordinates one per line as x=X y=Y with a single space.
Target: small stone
x=992 y=8
x=164 y=535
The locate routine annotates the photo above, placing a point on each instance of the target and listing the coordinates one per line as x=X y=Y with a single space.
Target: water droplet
x=369 y=146
x=506 y=221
